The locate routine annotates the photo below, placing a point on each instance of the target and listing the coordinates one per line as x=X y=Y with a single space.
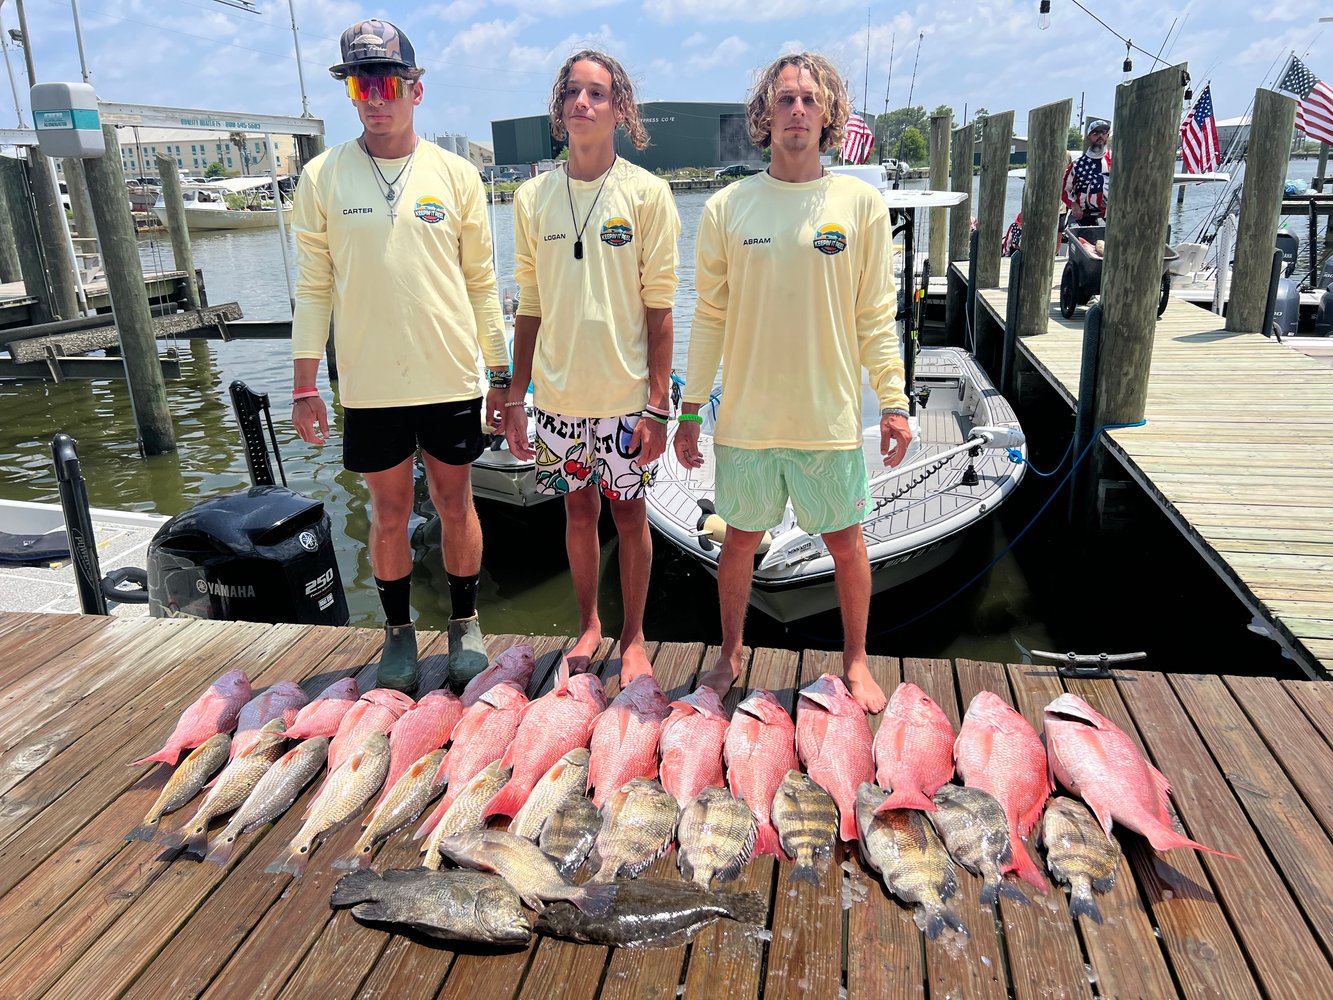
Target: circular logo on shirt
x=617 y=232
x=830 y=239
x=429 y=209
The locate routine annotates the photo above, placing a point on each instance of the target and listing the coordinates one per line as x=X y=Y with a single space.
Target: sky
x=495 y=60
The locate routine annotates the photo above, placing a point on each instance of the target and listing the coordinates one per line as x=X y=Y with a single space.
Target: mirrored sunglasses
x=390 y=88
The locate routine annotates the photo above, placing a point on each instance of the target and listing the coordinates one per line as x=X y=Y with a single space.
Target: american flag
x=1198 y=137
x=856 y=140
x=1314 y=116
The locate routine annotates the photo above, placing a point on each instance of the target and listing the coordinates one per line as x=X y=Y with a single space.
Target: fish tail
x=146 y=830
x=197 y=842
x=1081 y=904
x=222 y=847
x=595 y=900
x=294 y=864
x=506 y=802
x=906 y=798
x=766 y=841
x=804 y=873
x=1166 y=839
x=847 y=826
x=1024 y=867
x=938 y=918
x=167 y=755
x=354 y=888
x=1012 y=892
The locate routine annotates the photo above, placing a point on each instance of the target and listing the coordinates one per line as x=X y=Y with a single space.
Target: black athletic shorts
x=377 y=438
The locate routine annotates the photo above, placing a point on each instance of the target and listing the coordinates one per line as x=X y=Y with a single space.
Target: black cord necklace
x=573 y=219
x=391 y=192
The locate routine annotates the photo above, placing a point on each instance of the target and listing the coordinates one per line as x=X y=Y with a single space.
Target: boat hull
x=211 y=218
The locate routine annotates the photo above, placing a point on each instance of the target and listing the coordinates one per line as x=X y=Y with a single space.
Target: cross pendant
x=393 y=214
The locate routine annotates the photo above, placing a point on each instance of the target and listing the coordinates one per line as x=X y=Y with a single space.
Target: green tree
x=889 y=128
x=980 y=115
x=943 y=109
x=913 y=145
x=215 y=169
x=1074 y=140
x=562 y=156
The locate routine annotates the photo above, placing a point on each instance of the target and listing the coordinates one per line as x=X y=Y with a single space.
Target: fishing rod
x=885 y=141
x=865 y=87
x=911 y=88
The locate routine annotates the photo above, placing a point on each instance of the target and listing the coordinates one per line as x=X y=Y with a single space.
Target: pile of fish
x=531 y=791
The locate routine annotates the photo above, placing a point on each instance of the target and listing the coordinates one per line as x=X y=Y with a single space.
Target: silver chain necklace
x=391 y=193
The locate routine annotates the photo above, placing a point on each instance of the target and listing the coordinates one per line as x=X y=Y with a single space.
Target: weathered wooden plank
x=884 y=954
x=1315 y=699
x=1282 y=952
x=29 y=641
x=85 y=928
x=1124 y=951
x=1293 y=835
x=1044 y=957
x=971 y=967
x=805 y=953
x=726 y=959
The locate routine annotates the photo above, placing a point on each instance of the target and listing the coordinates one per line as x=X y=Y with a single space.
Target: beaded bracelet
x=515 y=402
x=690 y=418
x=892 y=411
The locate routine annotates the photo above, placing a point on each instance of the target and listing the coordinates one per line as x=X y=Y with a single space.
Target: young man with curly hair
x=595 y=253
x=795 y=298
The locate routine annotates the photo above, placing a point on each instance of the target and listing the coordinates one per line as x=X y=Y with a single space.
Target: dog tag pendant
x=578 y=249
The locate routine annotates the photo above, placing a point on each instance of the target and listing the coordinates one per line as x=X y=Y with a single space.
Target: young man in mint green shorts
x=795 y=298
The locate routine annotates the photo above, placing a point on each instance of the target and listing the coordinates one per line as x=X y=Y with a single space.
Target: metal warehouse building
x=681 y=133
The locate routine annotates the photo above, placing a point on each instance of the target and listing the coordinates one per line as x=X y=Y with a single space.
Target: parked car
x=738 y=170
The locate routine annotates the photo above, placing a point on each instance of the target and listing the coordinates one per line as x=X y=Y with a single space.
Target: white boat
x=956 y=472
x=227 y=203
x=498 y=475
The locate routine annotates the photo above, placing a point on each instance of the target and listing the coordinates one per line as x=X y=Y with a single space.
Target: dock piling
x=1048 y=127
x=997 y=139
x=51 y=231
x=32 y=263
x=129 y=298
x=10 y=269
x=176 y=226
x=80 y=203
x=1260 y=205
x=940 y=126
x=960 y=225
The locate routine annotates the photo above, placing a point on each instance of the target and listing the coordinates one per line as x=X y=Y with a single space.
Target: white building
x=195 y=151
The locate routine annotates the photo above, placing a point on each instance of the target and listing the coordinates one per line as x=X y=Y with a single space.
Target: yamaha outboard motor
x=1290 y=245
x=1287 y=309
x=1326 y=279
x=262 y=555
x=1323 y=317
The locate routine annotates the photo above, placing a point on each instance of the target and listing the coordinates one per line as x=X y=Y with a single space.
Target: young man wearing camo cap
x=393 y=245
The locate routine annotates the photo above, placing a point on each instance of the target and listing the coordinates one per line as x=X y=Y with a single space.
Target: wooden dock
x=87 y=914
x=1233 y=453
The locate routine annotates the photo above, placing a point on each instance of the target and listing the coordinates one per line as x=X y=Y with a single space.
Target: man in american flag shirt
x=1085 y=178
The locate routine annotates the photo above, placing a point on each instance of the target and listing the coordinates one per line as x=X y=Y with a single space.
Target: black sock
x=395 y=597
x=463 y=594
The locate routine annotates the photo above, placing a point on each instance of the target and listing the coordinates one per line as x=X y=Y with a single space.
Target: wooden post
x=308 y=147
x=936 y=246
x=1147 y=123
x=997 y=137
x=51 y=231
x=14 y=179
x=79 y=201
x=960 y=226
x=1260 y=205
x=176 y=226
x=129 y=298
x=1317 y=182
x=10 y=268
x=1048 y=129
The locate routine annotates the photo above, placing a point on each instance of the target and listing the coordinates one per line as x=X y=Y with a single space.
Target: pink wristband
x=309 y=393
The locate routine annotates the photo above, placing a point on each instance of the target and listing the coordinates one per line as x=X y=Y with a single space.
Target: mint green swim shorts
x=829 y=490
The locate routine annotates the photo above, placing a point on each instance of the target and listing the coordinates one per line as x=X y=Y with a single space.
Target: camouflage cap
x=376 y=44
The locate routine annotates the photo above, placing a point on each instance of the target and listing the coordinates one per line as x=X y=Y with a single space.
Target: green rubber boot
x=467 y=651
x=398 y=659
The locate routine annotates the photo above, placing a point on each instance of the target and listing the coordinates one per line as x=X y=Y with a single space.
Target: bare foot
x=580 y=657
x=722 y=676
x=634 y=663
x=868 y=694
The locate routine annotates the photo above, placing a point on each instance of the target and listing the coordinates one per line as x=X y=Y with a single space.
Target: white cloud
x=671 y=11
x=698 y=38
x=726 y=53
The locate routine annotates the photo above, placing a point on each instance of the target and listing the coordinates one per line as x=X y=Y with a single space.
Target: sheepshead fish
x=1096 y=760
x=625 y=738
x=231 y=788
x=998 y=752
x=321 y=716
x=566 y=779
x=465 y=811
x=903 y=847
x=521 y=863
x=215 y=711
x=456 y=905
x=973 y=828
x=399 y=806
x=184 y=784
x=716 y=834
x=1079 y=853
x=481 y=736
x=652 y=913
x=376 y=711
x=513 y=666
x=568 y=834
x=551 y=726
x=282 y=700
x=349 y=788
x=638 y=823
x=806 y=818
x=421 y=729
x=913 y=750
x=273 y=795
x=833 y=742
x=760 y=749
x=691 y=745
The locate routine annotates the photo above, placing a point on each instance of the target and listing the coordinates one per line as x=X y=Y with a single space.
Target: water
x=1142 y=590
